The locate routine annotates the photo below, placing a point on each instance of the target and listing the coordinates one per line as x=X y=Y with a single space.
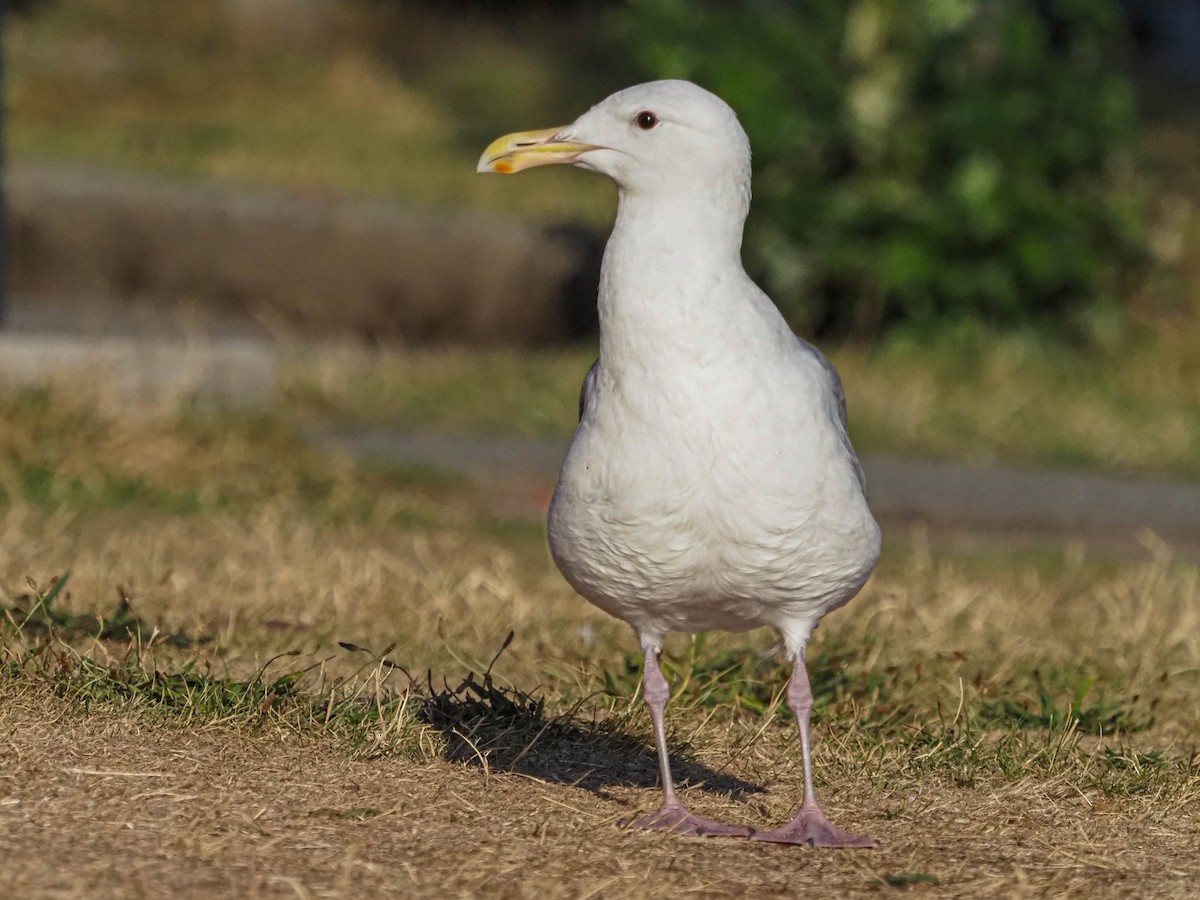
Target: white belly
x=711 y=531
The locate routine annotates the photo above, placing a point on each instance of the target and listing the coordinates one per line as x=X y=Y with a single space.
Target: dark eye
x=645 y=120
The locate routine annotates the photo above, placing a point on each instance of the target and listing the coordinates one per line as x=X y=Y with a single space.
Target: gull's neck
x=672 y=272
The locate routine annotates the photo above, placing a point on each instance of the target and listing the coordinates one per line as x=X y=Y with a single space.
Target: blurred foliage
x=496 y=62
x=23 y=6
x=947 y=160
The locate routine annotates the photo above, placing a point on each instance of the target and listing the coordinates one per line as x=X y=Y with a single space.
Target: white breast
x=724 y=498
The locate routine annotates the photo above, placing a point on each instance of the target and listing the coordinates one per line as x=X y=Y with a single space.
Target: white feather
x=711 y=483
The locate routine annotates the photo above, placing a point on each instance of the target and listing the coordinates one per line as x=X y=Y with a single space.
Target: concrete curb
x=232 y=371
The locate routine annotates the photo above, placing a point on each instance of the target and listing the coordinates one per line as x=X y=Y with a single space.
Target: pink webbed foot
x=811 y=827
x=675 y=818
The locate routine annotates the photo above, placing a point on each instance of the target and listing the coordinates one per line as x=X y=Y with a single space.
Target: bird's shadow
x=505 y=729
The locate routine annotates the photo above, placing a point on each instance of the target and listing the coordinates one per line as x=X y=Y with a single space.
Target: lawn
x=266 y=672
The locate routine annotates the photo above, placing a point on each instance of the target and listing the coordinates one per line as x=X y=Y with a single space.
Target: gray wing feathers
x=589 y=385
x=839 y=396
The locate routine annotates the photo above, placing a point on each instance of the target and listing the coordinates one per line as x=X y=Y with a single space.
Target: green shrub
x=920 y=161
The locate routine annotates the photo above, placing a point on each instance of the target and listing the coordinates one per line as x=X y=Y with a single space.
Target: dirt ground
x=108 y=807
x=941 y=732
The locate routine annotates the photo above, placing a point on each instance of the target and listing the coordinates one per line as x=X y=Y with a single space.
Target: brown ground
x=303 y=554
x=102 y=807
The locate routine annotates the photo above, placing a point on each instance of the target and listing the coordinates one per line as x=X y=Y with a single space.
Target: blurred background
x=282 y=380
x=959 y=198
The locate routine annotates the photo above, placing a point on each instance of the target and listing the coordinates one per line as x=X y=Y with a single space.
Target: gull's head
x=668 y=135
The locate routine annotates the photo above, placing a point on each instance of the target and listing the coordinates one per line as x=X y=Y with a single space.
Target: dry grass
x=966 y=704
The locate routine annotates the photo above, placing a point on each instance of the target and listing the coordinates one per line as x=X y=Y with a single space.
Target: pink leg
x=673 y=815
x=809 y=826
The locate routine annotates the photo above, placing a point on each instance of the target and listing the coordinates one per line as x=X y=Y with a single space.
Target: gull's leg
x=809 y=826
x=673 y=815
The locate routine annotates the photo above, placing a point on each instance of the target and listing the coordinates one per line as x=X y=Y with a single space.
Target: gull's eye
x=645 y=120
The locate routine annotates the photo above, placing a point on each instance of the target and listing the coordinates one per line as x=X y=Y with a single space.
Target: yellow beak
x=527 y=149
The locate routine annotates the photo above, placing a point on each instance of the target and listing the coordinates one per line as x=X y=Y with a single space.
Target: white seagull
x=711 y=483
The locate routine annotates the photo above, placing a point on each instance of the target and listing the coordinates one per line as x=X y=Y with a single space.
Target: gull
x=711 y=483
